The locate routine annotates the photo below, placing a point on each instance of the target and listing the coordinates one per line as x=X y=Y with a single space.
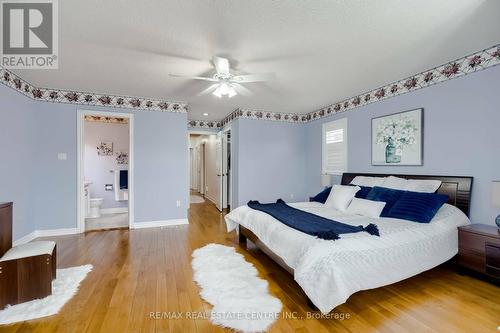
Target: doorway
x=210 y=168
x=105 y=170
x=225 y=181
x=201 y=165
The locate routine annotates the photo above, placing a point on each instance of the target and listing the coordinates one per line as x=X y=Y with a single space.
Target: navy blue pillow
x=417 y=207
x=387 y=195
x=322 y=196
x=361 y=194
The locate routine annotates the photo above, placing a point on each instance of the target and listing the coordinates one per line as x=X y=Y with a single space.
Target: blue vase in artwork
x=391 y=155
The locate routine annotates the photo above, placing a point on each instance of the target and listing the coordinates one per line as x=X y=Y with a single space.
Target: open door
x=219 y=168
x=225 y=170
x=229 y=177
x=222 y=155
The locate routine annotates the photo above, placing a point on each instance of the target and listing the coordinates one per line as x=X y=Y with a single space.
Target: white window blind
x=335 y=146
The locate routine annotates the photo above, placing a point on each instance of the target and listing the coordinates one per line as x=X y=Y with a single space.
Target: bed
x=330 y=271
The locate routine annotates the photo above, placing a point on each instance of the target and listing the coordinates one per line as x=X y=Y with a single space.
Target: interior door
x=198 y=168
x=229 y=172
x=191 y=168
x=224 y=169
x=219 y=168
x=202 y=169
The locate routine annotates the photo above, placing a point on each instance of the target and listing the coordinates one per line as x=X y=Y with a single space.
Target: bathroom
x=106 y=162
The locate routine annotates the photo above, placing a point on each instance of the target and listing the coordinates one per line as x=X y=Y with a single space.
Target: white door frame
x=230 y=152
x=81 y=164
x=219 y=168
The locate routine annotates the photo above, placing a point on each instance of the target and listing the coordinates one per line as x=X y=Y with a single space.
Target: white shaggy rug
x=195 y=199
x=64 y=287
x=240 y=298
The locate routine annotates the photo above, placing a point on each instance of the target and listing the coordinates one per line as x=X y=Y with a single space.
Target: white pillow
x=423 y=185
x=414 y=185
x=368 y=181
x=365 y=207
x=341 y=196
x=395 y=183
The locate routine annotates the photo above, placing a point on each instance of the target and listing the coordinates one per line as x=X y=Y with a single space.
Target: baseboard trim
x=45 y=233
x=212 y=200
x=157 y=224
x=56 y=232
x=116 y=210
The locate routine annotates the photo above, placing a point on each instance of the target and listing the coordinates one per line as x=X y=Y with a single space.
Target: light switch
x=62 y=156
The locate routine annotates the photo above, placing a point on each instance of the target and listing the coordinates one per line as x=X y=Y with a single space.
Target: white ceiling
x=321 y=50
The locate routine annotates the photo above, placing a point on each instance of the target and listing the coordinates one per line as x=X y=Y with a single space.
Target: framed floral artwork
x=122 y=157
x=397 y=139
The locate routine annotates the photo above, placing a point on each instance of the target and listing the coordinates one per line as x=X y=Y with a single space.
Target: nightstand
x=479 y=249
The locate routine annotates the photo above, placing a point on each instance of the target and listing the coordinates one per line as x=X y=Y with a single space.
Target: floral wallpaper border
x=105 y=119
x=245 y=113
x=12 y=80
x=469 y=64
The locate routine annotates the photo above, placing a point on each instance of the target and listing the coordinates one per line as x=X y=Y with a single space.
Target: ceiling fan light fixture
x=226 y=83
x=231 y=92
x=217 y=92
x=225 y=89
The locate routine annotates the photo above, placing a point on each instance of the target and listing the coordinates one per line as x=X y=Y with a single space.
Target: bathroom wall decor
x=105 y=149
x=122 y=157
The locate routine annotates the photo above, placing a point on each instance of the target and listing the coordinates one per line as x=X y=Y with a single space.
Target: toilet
x=95 y=208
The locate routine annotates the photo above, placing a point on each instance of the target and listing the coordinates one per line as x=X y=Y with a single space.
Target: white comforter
x=330 y=271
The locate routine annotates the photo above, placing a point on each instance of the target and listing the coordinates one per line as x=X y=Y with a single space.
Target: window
x=335 y=146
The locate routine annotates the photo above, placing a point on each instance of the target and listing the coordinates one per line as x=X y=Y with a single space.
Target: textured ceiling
x=321 y=51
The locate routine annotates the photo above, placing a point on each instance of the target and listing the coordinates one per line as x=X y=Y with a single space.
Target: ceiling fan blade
x=209 y=89
x=254 y=77
x=194 y=77
x=221 y=65
x=242 y=90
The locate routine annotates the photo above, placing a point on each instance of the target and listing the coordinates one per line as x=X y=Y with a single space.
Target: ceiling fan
x=226 y=83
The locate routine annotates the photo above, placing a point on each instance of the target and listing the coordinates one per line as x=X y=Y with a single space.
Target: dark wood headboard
x=458 y=189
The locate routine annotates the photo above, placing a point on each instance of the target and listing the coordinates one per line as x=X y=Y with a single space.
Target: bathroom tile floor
x=107 y=221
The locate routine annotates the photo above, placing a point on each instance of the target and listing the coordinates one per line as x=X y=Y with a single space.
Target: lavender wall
x=270 y=161
x=461 y=120
x=235 y=165
x=31 y=135
x=44 y=189
x=17 y=158
x=55 y=184
x=161 y=166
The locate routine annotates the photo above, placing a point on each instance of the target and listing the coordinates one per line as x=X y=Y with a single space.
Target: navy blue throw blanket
x=311 y=224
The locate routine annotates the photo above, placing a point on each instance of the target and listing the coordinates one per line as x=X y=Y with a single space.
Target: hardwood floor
x=142 y=271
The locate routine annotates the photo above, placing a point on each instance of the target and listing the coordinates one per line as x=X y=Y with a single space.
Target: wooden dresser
x=26 y=270
x=479 y=249
x=5 y=227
